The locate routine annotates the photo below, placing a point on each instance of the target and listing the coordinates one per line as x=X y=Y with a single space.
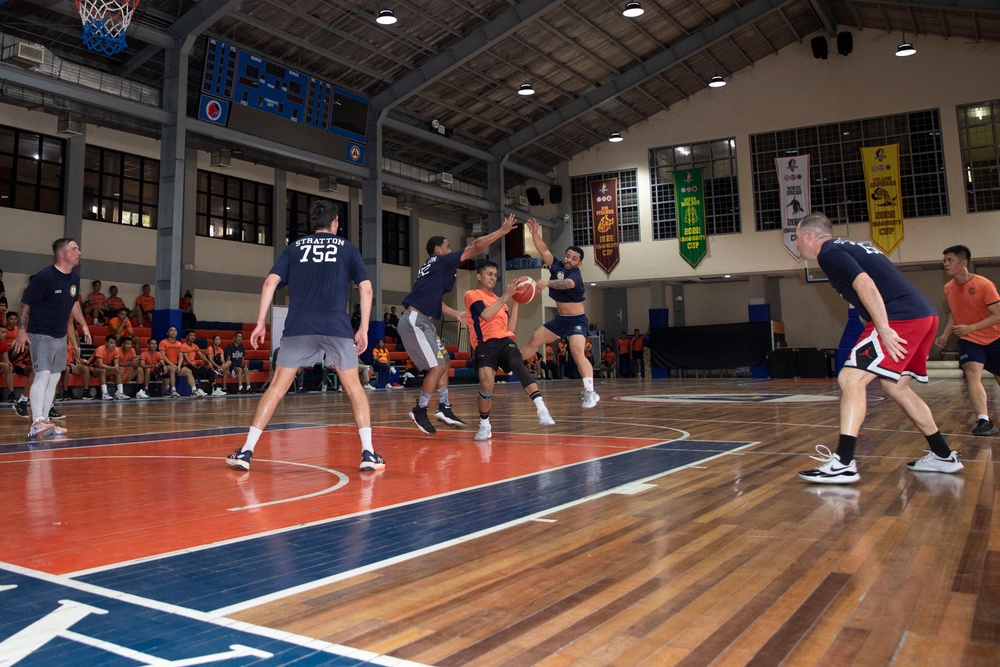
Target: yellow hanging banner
x=885 y=205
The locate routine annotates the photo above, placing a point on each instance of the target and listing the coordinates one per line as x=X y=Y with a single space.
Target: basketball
x=526 y=290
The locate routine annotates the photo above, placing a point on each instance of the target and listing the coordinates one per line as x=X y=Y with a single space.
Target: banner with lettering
x=689 y=190
x=885 y=205
x=793 y=186
x=604 y=204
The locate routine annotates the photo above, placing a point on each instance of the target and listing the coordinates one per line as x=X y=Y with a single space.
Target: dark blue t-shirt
x=435 y=279
x=50 y=295
x=843 y=261
x=318 y=270
x=559 y=272
x=236 y=353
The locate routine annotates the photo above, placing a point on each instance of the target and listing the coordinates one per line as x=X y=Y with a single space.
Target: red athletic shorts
x=867 y=354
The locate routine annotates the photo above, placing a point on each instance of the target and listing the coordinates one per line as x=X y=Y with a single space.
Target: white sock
x=986 y=417
x=588 y=384
x=253 y=435
x=121 y=389
x=366 y=439
x=539 y=403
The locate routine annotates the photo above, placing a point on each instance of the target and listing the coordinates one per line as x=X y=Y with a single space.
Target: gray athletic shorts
x=47 y=353
x=298 y=351
x=421 y=341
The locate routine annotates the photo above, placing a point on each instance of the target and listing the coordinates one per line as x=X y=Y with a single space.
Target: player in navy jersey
x=566 y=288
x=423 y=305
x=318 y=270
x=47 y=306
x=901 y=324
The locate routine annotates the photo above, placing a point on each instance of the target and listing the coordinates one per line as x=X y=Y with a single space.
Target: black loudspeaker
x=845 y=43
x=781 y=363
x=555 y=194
x=534 y=198
x=820 y=49
x=811 y=363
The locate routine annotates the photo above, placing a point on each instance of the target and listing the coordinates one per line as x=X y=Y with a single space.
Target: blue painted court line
x=46 y=621
x=235 y=572
x=68 y=443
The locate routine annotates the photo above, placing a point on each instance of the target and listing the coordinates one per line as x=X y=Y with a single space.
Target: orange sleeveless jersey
x=480 y=329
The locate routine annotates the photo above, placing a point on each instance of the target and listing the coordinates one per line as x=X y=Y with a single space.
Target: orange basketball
x=526 y=290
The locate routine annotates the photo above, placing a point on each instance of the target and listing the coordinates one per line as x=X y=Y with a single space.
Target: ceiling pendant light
x=633 y=10
x=385 y=17
x=905 y=49
x=716 y=82
x=526 y=89
x=616 y=137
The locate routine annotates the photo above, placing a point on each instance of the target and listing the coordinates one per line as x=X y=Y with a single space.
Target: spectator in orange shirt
x=197 y=362
x=105 y=361
x=113 y=304
x=142 y=314
x=93 y=306
x=608 y=360
x=624 y=356
x=152 y=367
x=75 y=367
x=120 y=325
x=549 y=367
x=216 y=360
x=131 y=364
x=562 y=358
x=380 y=362
x=7 y=369
x=588 y=350
x=172 y=351
x=638 y=363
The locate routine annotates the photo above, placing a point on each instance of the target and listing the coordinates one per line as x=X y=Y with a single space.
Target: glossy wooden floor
x=731 y=561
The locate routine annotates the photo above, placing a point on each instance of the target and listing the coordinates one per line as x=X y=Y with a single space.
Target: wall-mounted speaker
x=820 y=49
x=555 y=194
x=845 y=43
x=534 y=198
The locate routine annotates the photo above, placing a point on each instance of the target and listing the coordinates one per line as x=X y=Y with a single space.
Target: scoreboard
x=245 y=91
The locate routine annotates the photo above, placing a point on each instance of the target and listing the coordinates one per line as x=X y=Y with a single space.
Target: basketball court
x=666 y=526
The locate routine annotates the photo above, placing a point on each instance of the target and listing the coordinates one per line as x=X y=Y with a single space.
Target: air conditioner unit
x=221 y=158
x=68 y=126
x=480 y=228
x=444 y=178
x=522 y=201
x=327 y=184
x=24 y=54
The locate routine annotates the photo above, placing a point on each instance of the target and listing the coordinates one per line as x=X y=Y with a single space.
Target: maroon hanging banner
x=604 y=204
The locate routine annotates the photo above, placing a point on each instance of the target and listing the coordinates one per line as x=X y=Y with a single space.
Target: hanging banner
x=793 y=185
x=604 y=204
x=689 y=191
x=885 y=206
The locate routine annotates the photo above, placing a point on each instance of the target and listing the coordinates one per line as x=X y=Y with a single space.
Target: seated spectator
x=75 y=366
x=105 y=362
x=391 y=321
x=142 y=313
x=563 y=358
x=7 y=369
x=21 y=364
x=93 y=305
x=131 y=364
x=533 y=366
x=196 y=361
x=608 y=362
x=216 y=360
x=113 y=304
x=380 y=360
x=550 y=367
x=174 y=363
x=588 y=351
x=365 y=371
x=152 y=367
x=120 y=325
x=186 y=306
x=236 y=364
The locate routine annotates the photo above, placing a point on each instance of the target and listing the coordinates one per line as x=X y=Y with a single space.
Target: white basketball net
x=105 y=23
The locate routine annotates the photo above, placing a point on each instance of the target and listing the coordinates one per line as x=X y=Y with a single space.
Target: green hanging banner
x=689 y=190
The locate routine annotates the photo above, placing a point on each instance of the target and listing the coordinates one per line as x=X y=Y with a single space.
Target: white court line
x=262 y=631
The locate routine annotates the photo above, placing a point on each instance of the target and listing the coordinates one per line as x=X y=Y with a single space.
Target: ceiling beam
x=825 y=16
x=461 y=52
x=686 y=47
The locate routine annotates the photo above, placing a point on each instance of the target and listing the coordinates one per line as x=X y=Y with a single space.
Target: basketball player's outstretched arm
x=484 y=242
x=536 y=237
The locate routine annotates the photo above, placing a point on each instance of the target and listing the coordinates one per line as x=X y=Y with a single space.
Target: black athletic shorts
x=498 y=353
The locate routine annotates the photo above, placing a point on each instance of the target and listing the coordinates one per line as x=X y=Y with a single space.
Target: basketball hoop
x=105 y=22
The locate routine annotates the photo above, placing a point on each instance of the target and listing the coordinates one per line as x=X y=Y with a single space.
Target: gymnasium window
x=979 y=136
x=717 y=159
x=836 y=175
x=234 y=208
x=120 y=188
x=31 y=171
x=298 y=216
x=395 y=239
x=628 y=206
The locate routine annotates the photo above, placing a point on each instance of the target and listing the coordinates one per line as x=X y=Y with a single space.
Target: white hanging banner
x=793 y=184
